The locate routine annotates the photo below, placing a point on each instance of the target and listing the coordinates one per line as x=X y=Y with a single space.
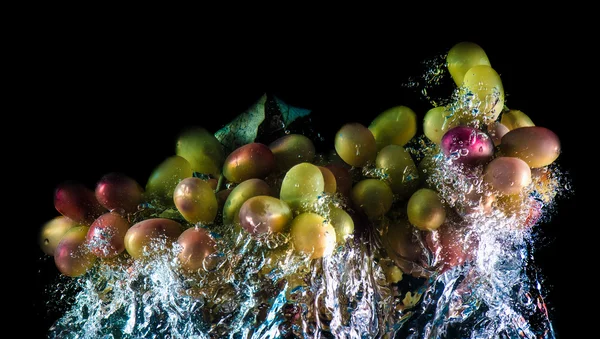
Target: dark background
x=93 y=102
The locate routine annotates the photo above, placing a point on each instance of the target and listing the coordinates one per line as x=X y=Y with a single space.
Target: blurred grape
x=328 y=180
x=425 y=210
x=537 y=146
x=302 y=186
x=291 y=150
x=264 y=214
x=497 y=130
x=165 y=177
x=117 y=191
x=355 y=144
x=202 y=150
x=106 y=236
x=374 y=197
x=72 y=256
x=195 y=199
x=451 y=246
x=312 y=234
x=250 y=161
x=143 y=238
x=77 y=202
x=343 y=178
x=52 y=232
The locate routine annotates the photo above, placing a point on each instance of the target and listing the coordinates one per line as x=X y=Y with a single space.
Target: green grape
x=242 y=192
x=488 y=93
x=425 y=210
x=264 y=214
x=165 y=177
x=202 y=150
x=437 y=122
x=355 y=144
x=342 y=223
x=312 y=234
x=195 y=199
x=398 y=165
x=462 y=57
x=302 y=186
x=291 y=150
x=396 y=126
x=253 y=160
x=73 y=257
x=374 y=197
x=515 y=119
x=144 y=238
x=537 y=146
x=52 y=232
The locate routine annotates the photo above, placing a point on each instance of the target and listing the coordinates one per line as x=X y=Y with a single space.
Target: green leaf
x=290 y=113
x=244 y=128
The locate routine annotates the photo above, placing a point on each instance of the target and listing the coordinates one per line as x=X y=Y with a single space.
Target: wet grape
x=425 y=210
x=355 y=144
x=195 y=199
x=372 y=196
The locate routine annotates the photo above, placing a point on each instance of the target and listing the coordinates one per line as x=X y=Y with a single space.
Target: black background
x=94 y=101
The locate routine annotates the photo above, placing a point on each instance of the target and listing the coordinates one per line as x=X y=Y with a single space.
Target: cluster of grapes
x=371 y=181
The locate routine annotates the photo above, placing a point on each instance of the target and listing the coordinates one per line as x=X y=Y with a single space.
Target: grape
x=450 y=246
x=425 y=210
x=462 y=57
x=425 y=168
x=196 y=245
x=402 y=246
x=312 y=234
x=302 y=185
x=515 y=119
x=72 y=256
x=507 y=175
x=328 y=180
x=106 y=236
x=343 y=178
x=222 y=196
x=196 y=200
x=165 y=177
x=291 y=150
x=488 y=93
x=467 y=145
x=398 y=165
x=52 y=232
x=537 y=146
x=77 y=202
x=253 y=160
x=436 y=123
x=264 y=214
x=242 y=192
x=396 y=125
x=202 y=150
x=144 y=237
x=117 y=191
x=496 y=131
x=355 y=144
x=342 y=223
x=372 y=196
